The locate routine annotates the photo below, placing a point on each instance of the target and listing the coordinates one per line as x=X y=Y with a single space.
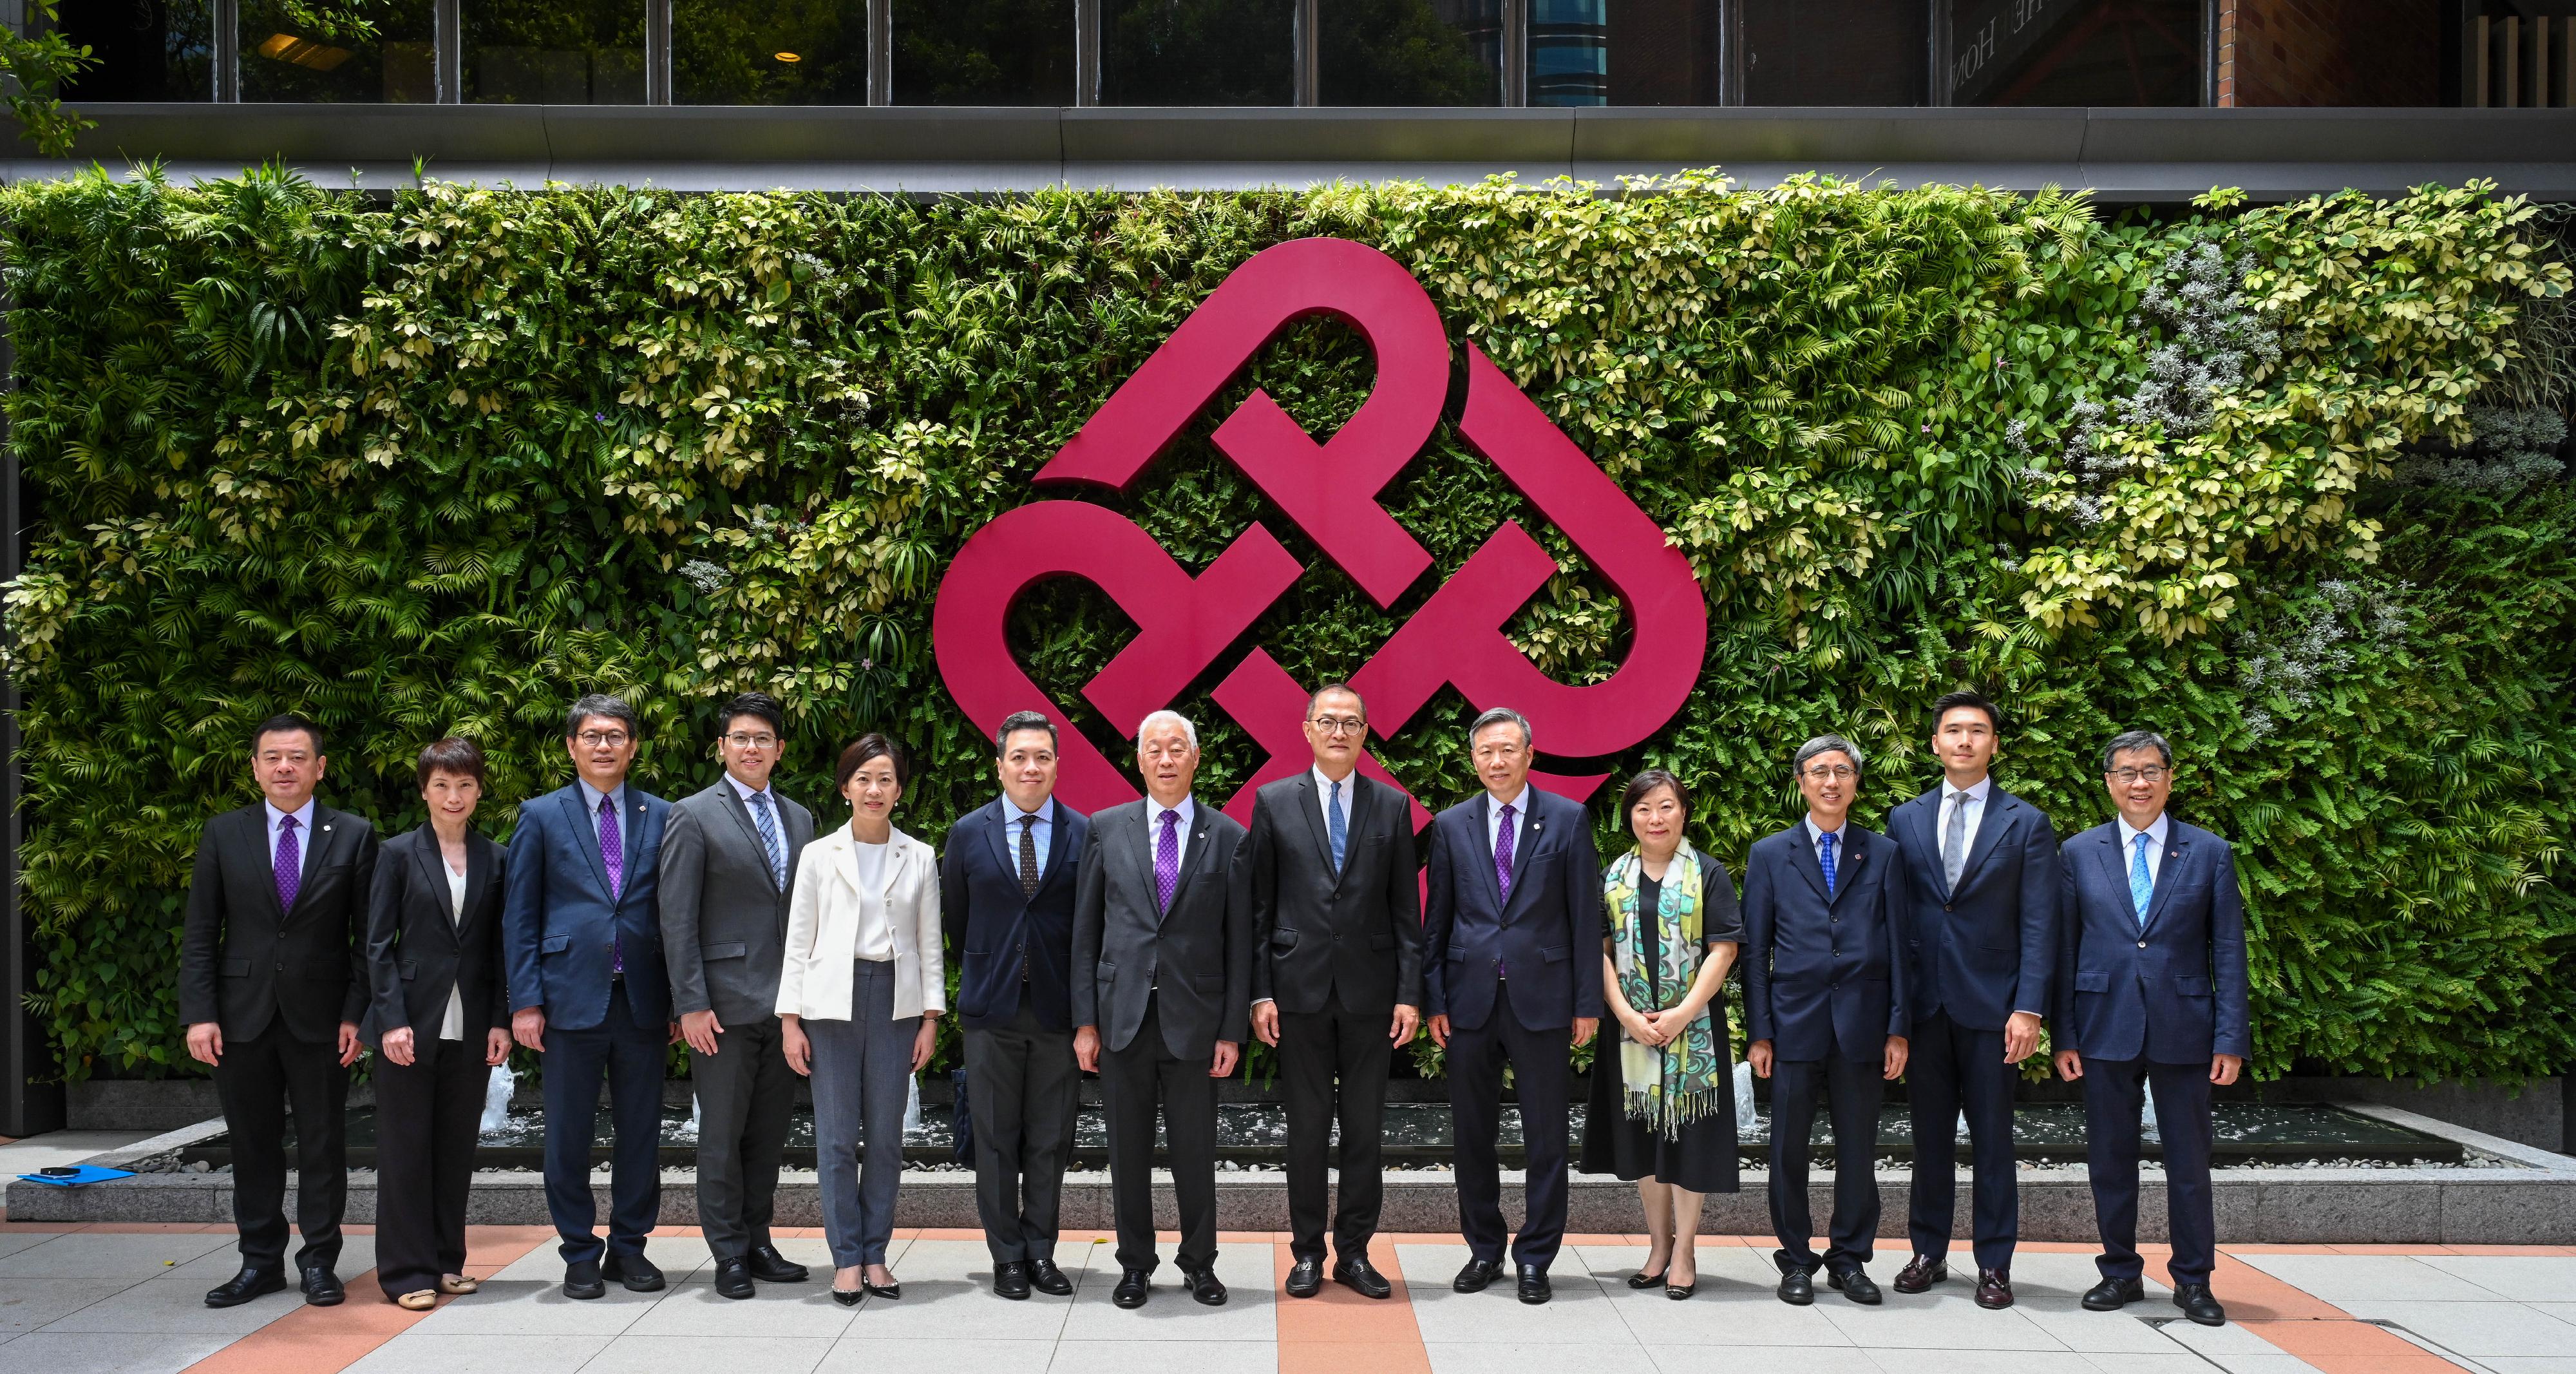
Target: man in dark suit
x=2150 y=995
x=582 y=939
x=271 y=990
x=1511 y=976
x=728 y=863
x=1162 y=958
x=1006 y=889
x=1825 y=1002
x=1981 y=906
x=1336 y=976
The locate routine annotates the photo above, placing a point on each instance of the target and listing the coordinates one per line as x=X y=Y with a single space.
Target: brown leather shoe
x=1994 y=1289
x=1920 y=1273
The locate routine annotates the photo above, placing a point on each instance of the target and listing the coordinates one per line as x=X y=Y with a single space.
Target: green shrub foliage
x=438 y=462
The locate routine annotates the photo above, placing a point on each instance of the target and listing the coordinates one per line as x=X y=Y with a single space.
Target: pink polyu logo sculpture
x=1329 y=490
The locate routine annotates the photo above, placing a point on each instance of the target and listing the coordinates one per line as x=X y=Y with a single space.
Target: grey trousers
x=745 y=1095
x=1024 y=1088
x=862 y=1067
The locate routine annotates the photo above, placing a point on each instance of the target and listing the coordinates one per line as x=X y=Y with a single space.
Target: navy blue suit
x=1825 y=976
x=563 y=936
x=1981 y=953
x=2147 y=1007
x=1512 y=976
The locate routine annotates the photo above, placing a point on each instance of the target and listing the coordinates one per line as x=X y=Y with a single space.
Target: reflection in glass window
x=1837 y=52
x=769 y=52
x=1569 y=52
x=983 y=52
x=2075 y=52
x=1659 y=52
x=1197 y=52
x=146 y=50
x=376 y=53
x=554 y=52
x=1410 y=52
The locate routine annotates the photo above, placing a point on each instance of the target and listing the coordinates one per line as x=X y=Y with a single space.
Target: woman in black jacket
x=438 y=1014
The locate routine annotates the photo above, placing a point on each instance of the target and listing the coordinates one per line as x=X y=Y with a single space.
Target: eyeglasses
x=2129 y=775
x=752 y=741
x=1339 y=725
x=593 y=739
x=1832 y=772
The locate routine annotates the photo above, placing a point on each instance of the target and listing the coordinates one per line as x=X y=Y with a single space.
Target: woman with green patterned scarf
x=1662 y=1110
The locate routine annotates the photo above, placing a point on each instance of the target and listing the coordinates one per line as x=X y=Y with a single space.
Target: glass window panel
x=983 y=52
x=1410 y=52
x=1656 y=52
x=1569 y=52
x=1198 y=52
x=146 y=50
x=554 y=52
x=2093 y=52
x=1837 y=52
x=769 y=52
x=310 y=52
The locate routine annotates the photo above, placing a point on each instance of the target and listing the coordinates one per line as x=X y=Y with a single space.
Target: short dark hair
x=1017 y=721
x=872 y=746
x=604 y=706
x=286 y=724
x=2128 y=740
x=1344 y=688
x=1644 y=784
x=454 y=754
x=760 y=704
x=1952 y=701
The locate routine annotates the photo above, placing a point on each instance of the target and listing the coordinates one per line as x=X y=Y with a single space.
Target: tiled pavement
x=104 y=1298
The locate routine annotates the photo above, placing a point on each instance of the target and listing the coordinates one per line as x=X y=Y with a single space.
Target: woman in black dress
x=1663 y=1092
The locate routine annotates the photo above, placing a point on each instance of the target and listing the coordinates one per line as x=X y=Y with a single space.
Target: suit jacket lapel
x=1484 y=849
x=1144 y=852
x=1848 y=857
x=433 y=870
x=1806 y=863
x=1990 y=833
x=1311 y=806
x=2115 y=869
x=2168 y=874
x=586 y=839
x=252 y=835
x=740 y=810
x=1194 y=858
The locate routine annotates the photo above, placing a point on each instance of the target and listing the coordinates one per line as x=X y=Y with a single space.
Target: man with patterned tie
x=2150 y=997
x=1510 y=979
x=271 y=992
x=1162 y=960
x=1826 y=1011
x=1006 y=888
x=581 y=937
x=1336 y=977
x=1981 y=901
x=728 y=865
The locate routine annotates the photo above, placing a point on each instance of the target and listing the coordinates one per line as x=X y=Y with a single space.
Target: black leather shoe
x=1131 y=1289
x=1356 y=1275
x=1533 y=1285
x=639 y=1274
x=322 y=1287
x=1047 y=1279
x=1011 y=1279
x=2196 y=1303
x=1854 y=1283
x=1797 y=1287
x=848 y=1297
x=1305 y=1278
x=244 y=1286
x=769 y=1266
x=1204 y=1287
x=581 y=1280
x=1920 y=1273
x=1642 y=1279
x=891 y=1291
x=1477 y=1276
x=733 y=1277
x=1994 y=1289
x=2110 y=1295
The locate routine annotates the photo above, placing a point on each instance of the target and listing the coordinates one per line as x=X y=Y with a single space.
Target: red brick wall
x=2329 y=52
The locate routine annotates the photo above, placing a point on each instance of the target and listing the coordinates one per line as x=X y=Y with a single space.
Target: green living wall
x=2282 y=483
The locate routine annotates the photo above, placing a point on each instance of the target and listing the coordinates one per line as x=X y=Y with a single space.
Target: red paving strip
x=1339 y=1332
x=326 y=1340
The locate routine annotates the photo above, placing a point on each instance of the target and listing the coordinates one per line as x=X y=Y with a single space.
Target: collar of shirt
x=1981 y=791
x=1324 y=789
x=303 y=819
x=1012 y=815
x=741 y=789
x=1187 y=811
x=1816 y=834
x=2155 y=831
x=591 y=797
x=1519 y=804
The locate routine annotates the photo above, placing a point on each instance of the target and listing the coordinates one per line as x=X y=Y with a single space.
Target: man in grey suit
x=1162 y=987
x=728 y=864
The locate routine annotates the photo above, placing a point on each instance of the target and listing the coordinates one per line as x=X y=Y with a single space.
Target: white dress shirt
x=876 y=926
x=1188 y=811
x=1979 y=793
x=2155 y=832
x=303 y=835
x=1494 y=825
x=1324 y=802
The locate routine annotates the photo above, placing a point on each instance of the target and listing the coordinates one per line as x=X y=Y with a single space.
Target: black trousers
x=1315 y=1048
x=1024 y=1088
x=1477 y=1057
x=1134 y=1082
x=629 y=1057
x=745 y=1095
x=1852 y=1093
x=2114 y=1092
x=428 y=1115
x=1953 y=1067
x=259 y=1079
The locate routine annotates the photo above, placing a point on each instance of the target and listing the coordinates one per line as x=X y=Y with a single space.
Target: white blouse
x=876 y=929
x=452 y=1025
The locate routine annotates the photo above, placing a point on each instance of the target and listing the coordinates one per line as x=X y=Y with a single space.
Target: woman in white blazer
x=858 y=996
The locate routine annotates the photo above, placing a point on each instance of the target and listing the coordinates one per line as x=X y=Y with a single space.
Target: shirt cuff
x=1263 y=1001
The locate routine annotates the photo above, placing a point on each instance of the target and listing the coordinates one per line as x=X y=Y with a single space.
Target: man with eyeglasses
x=1336 y=977
x=2150 y=997
x=582 y=939
x=1826 y=1011
x=728 y=865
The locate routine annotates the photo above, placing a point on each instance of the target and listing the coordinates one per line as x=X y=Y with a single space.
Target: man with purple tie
x=582 y=939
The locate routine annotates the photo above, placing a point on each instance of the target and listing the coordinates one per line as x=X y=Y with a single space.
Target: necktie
x=1028 y=856
x=612 y=854
x=2142 y=884
x=1825 y=856
x=1338 y=828
x=768 y=823
x=1503 y=852
x=290 y=864
x=1167 y=860
x=1954 y=841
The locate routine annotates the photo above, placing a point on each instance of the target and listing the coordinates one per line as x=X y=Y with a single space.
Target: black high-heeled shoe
x=848 y=1297
x=1678 y=1292
x=888 y=1291
x=1642 y=1279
